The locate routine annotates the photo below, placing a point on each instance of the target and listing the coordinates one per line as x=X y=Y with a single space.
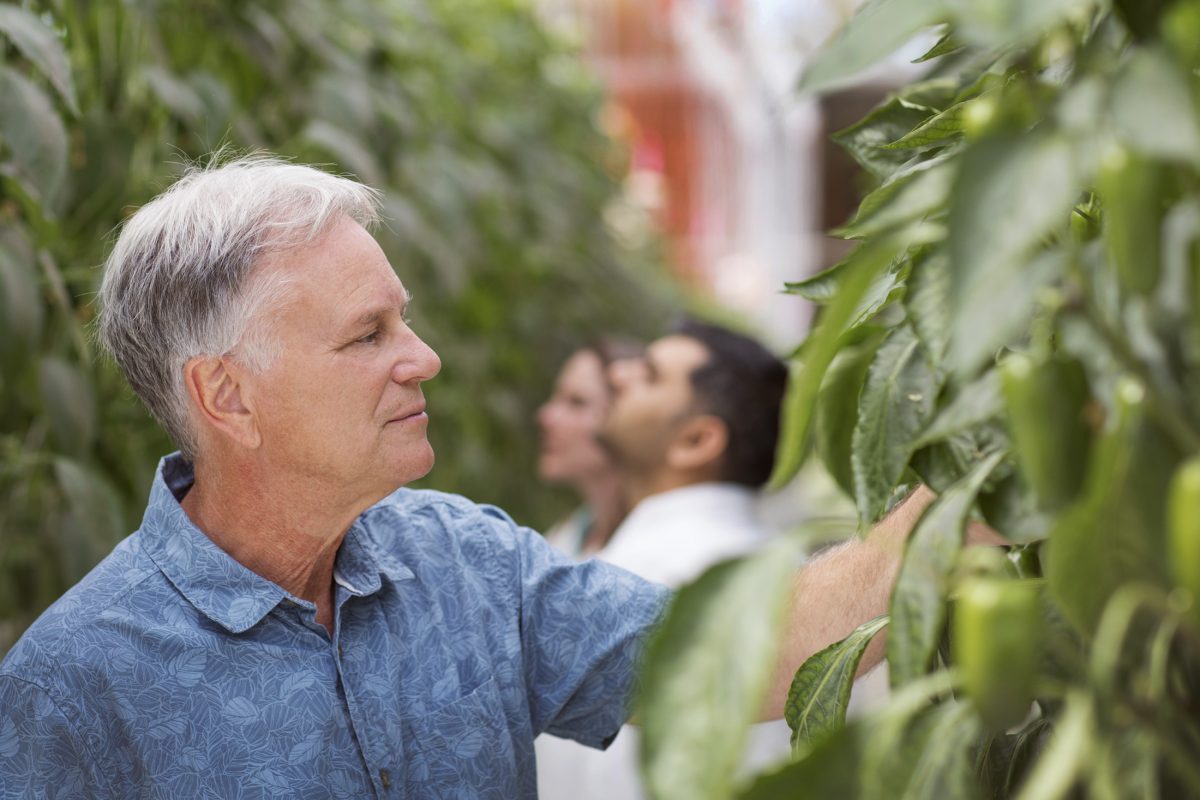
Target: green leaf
x=897 y=402
x=897 y=737
x=21 y=308
x=41 y=46
x=942 y=747
x=927 y=302
x=174 y=93
x=350 y=151
x=816 y=703
x=696 y=702
x=906 y=195
x=1002 y=24
x=95 y=522
x=978 y=402
x=1066 y=756
x=993 y=308
x=70 y=404
x=32 y=132
x=824 y=286
x=918 y=604
x=1153 y=109
x=943 y=47
x=831 y=770
x=866 y=139
x=878 y=29
x=1115 y=533
x=819 y=349
x=837 y=409
x=1010 y=193
x=936 y=130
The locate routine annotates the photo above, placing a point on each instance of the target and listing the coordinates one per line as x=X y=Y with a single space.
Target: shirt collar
x=217 y=585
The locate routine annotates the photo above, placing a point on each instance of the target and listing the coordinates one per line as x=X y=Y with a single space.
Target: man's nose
x=417 y=362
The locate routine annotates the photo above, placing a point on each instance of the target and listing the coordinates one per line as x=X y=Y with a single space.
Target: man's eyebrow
x=375 y=314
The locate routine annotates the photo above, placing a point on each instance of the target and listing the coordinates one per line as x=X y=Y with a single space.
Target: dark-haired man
x=693 y=425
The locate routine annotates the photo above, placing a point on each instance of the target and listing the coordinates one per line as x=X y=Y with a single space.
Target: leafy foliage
x=476 y=123
x=1019 y=328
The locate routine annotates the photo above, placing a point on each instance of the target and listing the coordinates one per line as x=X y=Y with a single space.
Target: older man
x=285 y=622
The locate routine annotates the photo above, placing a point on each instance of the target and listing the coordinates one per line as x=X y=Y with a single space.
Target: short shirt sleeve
x=40 y=753
x=583 y=627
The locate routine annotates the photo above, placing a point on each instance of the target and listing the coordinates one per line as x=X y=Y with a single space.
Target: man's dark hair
x=742 y=384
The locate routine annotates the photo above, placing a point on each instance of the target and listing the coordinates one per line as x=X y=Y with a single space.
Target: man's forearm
x=839 y=591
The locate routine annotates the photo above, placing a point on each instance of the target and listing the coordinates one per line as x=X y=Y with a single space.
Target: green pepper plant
x=1018 y=328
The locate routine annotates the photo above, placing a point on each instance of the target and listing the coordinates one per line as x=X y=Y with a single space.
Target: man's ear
x=214 y=385
x=698 y=444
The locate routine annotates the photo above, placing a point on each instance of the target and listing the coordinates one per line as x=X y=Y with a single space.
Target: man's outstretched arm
x=840 y=590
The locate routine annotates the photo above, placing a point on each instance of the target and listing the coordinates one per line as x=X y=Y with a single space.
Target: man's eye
x=370 y=338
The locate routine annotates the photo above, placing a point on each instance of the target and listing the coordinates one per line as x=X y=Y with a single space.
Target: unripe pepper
x=1130 y=188
x=1046 y=400
x=1183 y=530
x=997 y=634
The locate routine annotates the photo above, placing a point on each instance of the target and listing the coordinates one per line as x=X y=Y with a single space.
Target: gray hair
x=181 y=281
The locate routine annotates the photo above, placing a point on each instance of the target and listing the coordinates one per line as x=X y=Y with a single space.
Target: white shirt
x=670 y=538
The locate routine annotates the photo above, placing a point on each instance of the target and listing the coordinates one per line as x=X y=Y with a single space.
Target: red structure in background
x=735 y=166
x=632 y=46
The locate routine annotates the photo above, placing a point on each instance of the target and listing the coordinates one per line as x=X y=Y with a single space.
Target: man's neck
x=288 y=535
x=638 y=488
x=605 y=498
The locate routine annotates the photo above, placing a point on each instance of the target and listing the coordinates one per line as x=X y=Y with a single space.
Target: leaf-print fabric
x=172 y=671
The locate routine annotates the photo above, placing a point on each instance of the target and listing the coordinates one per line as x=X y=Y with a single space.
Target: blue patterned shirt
x=172 y=671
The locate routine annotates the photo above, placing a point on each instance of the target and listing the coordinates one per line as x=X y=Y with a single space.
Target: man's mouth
x=410 y=415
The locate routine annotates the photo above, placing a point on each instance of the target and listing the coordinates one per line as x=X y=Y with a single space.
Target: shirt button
x=385 y=778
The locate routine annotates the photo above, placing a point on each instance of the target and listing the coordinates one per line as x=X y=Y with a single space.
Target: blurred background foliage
x=481 y=128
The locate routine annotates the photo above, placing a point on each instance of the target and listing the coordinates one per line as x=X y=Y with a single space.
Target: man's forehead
x=676 y=353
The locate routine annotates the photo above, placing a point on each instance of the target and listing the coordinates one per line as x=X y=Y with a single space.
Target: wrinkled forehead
x=338 y=277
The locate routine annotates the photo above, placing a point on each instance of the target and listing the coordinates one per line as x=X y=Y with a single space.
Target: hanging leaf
x=897 y=402
x=32 y=132
x=1153 y=109
x=819 y=350
x=879 y=28
x=866 y=140
x=831 y=769
x=906 y=195
x=95 y=522
x=21 y=307
x=943 y=47
x=1115 y=533
x=816 y=703
x=347 y=149
x=70 y=404
x=928 y=303
x=42 y=47
x=837 y=410
x=937 y=130
x=997 y=24
x=992 y=309
x=695 y=702
x=1067 y=754
x=1010 y=192
x=978 y=402
x=937 y=759
x=918 y=604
